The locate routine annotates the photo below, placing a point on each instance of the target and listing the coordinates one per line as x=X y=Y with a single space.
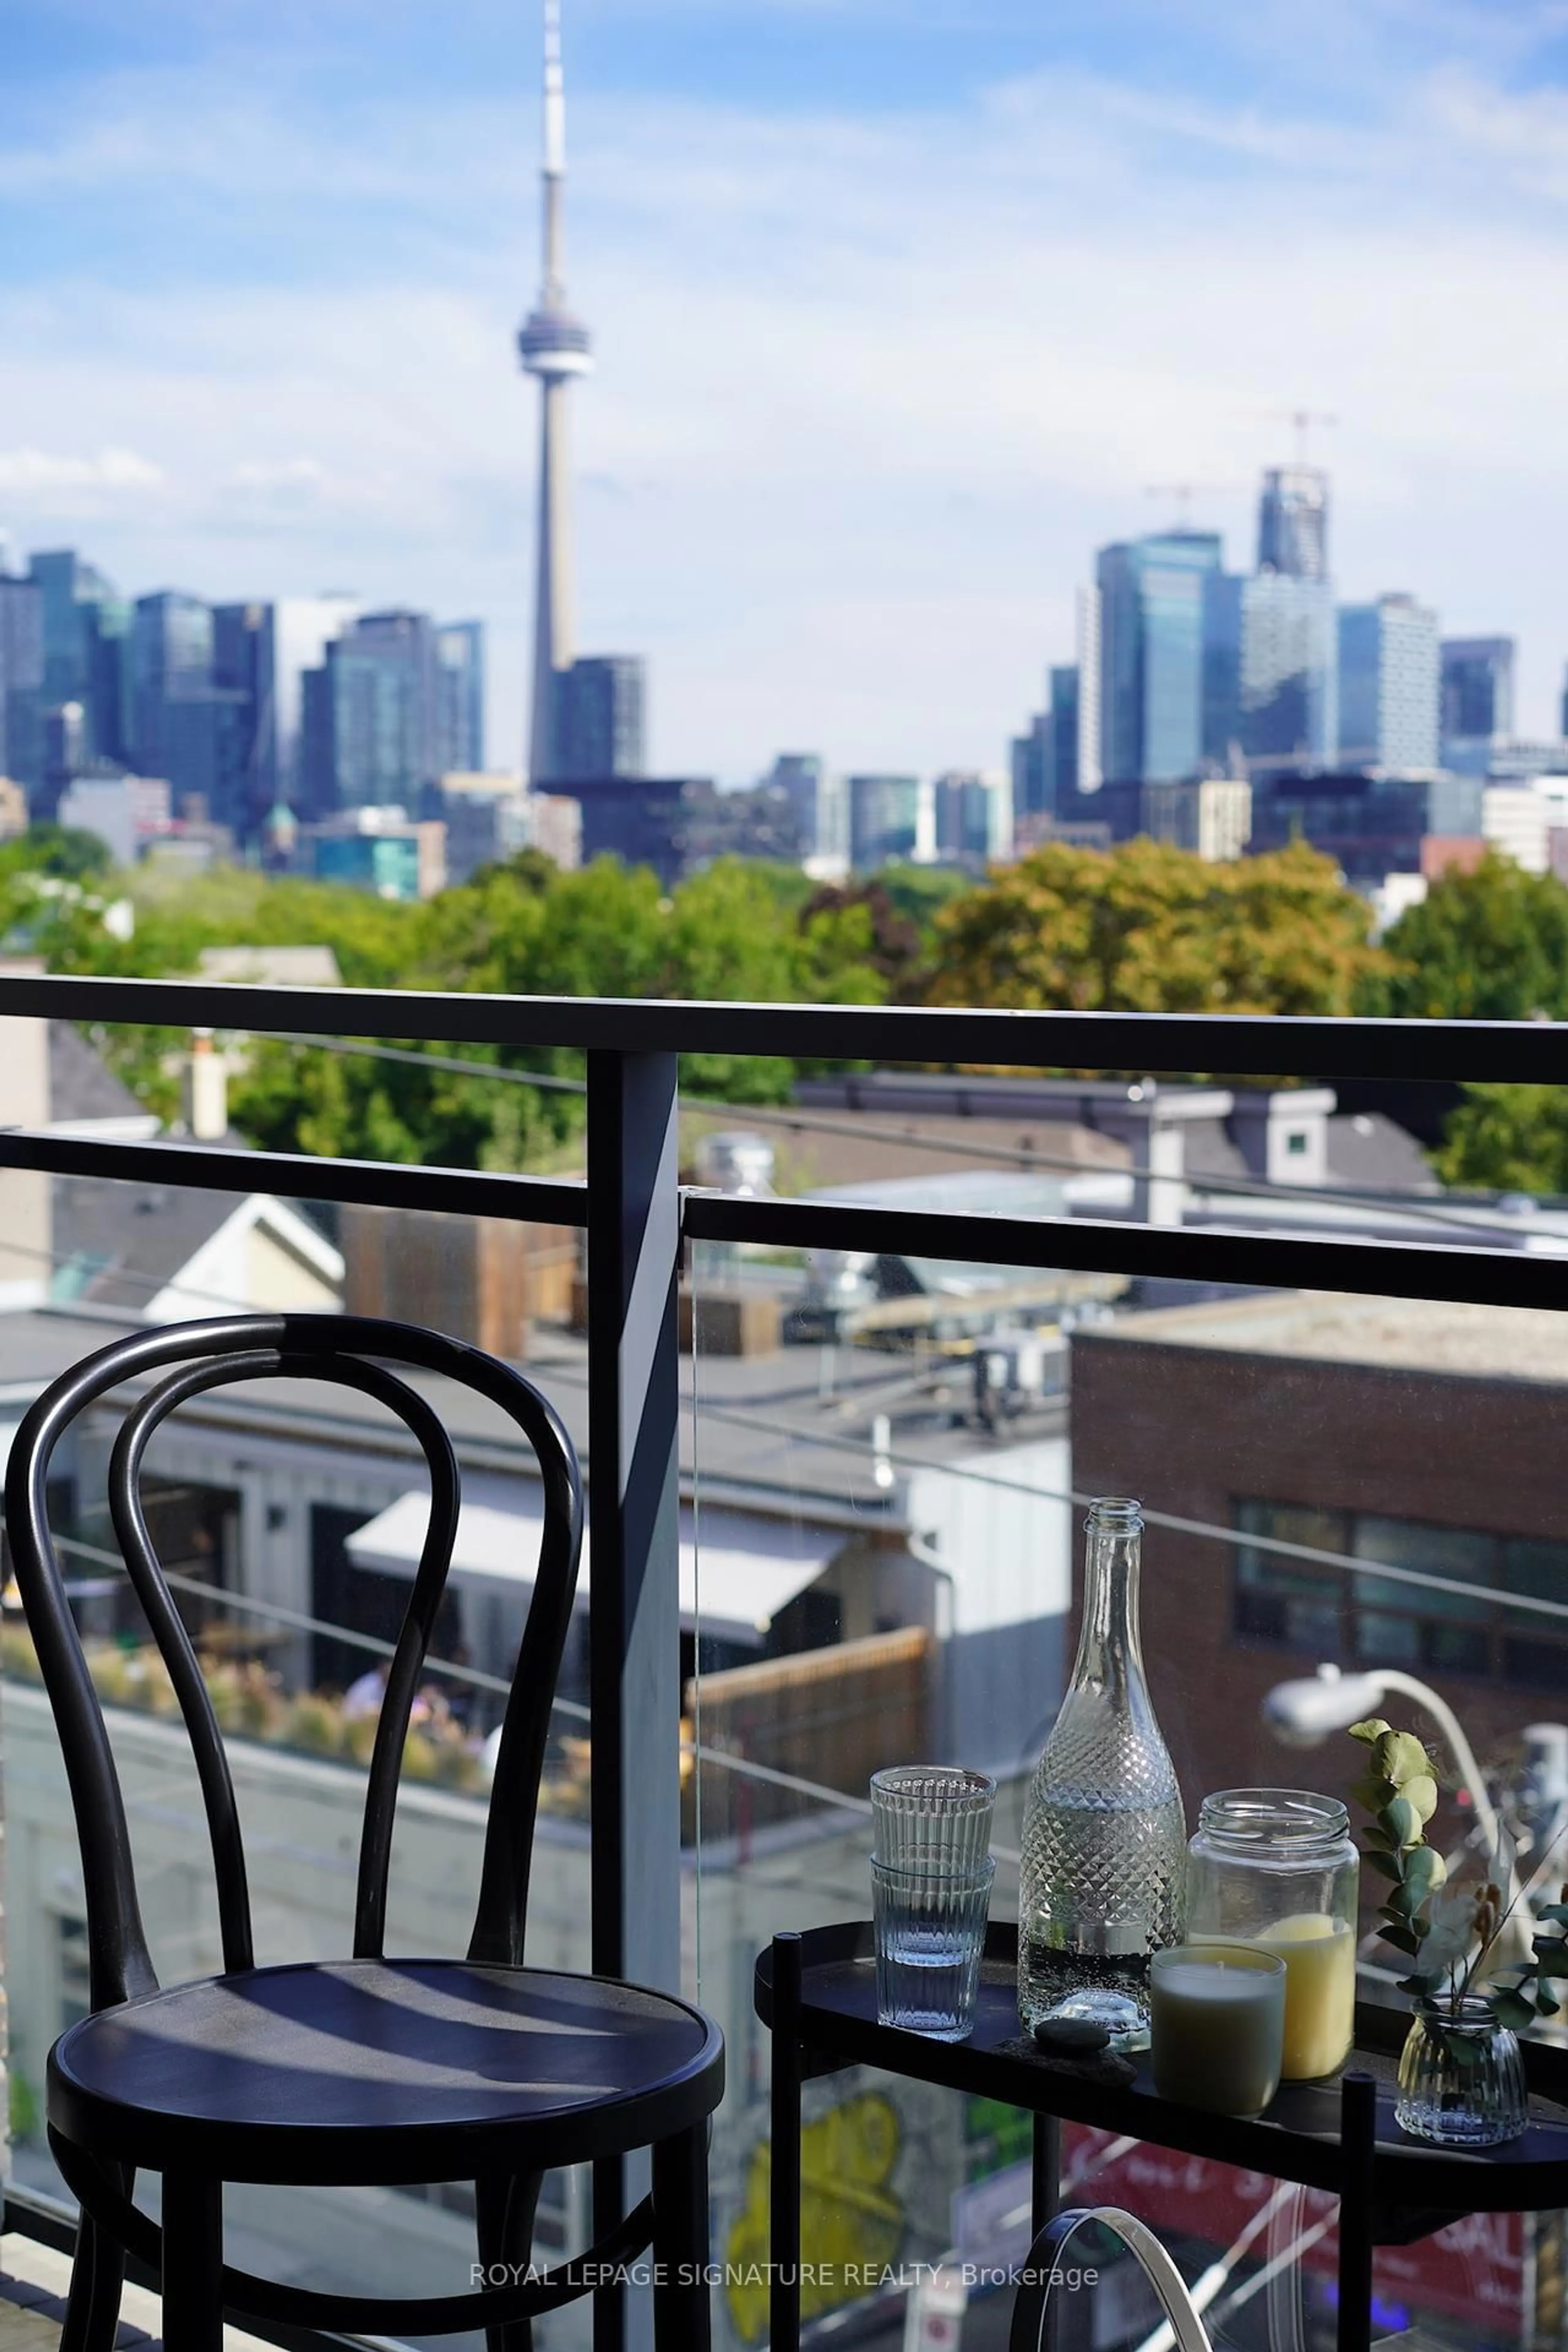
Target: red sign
x=1474 y=2270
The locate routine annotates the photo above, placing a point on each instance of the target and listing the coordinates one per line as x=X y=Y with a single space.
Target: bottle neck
x=1108 y=1648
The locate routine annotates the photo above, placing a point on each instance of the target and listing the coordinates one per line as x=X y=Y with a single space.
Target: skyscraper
x=1389 y=684
x=267 y=648
x=187 y=729
x=555 y=347
x=891 y=819
x=599 y=715
x=1029 y=763
x=373 y=717
x=1271 y=668
x=461 y=687
x=817 y=804
x=1066 y=720
x=1293 y=522
x=21 y=680
x=1476 y=687
x=69 y=584
x=1152 y=593
x=1091 y=723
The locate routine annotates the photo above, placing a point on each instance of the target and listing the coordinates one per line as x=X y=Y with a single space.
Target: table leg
x=1358 y=2139
x=1044 y=2172
x=784 y=2192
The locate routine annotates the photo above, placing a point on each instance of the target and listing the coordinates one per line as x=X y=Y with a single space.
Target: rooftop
x=787 y=1434
x=1406 y=1335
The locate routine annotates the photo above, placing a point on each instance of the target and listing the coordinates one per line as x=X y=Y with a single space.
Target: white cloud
x=870 y=390
x=34 y=476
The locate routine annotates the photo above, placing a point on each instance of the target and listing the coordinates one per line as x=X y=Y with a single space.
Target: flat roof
x=791 y=1431
x=1413 y=1335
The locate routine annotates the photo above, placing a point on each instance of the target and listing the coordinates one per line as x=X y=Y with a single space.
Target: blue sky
x=899 y=306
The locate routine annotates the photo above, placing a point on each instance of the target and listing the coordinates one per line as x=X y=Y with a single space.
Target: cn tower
x=555 y=347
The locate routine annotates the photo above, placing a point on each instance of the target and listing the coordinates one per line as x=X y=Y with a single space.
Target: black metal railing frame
x=639 y=1219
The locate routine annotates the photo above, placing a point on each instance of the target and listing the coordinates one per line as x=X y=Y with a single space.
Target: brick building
x=1405 y=1433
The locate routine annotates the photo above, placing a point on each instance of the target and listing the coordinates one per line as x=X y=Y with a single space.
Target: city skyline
x=290 y=332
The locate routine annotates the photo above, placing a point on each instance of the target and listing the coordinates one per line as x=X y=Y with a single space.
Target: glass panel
x=291 y=1516
x=1243 y=1420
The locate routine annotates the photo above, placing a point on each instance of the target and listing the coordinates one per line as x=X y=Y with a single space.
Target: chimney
x=207 y=1090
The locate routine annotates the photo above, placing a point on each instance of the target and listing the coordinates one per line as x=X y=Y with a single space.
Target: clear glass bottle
x=1278 y=1867
x=1103 y=1876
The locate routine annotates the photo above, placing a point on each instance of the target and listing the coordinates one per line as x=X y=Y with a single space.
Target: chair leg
x=682 y=2304
x=193 y=2263
x=97 y=2274
x=505 y=2210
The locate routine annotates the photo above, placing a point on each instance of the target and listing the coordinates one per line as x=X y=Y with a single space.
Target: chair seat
x=365 y=2072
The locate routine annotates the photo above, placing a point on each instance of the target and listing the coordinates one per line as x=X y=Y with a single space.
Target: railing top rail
x=1227 y=1044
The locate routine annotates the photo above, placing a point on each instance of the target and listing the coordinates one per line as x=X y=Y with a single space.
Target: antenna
x=555 y=95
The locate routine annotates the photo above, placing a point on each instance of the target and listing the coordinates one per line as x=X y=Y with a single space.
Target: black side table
x=818 y=1992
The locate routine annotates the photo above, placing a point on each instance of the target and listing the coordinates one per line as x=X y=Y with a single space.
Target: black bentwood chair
x=366 y=2071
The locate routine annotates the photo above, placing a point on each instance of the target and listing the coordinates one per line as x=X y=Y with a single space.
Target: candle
x=1319 y=1953
x=1217 y=2015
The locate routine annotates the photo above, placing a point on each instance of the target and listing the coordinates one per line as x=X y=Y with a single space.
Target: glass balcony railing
x=862 y=1368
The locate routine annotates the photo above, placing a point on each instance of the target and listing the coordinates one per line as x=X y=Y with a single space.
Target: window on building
x=1351 y=1613
x=75 y=1968
x=1295 y=1143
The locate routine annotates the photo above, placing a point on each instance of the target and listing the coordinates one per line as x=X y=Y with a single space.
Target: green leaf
x=1402 y=1821
x=1425 y=1870
x=1370 y=1731
x=1545 y=2006
x=1421 y=1790
x=1400 y=1757
x=1466 y=2053
x=1553 y=1962
x=1556 y=1912
x=1400 y=1904
x=1387 y=1865
x=1511 y=2008
x=1401 y=1938
x=1372 y=1793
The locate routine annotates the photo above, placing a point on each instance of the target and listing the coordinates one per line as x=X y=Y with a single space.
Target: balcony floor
x=33 y=2283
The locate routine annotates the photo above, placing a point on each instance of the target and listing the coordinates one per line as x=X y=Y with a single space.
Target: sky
x=900 y=307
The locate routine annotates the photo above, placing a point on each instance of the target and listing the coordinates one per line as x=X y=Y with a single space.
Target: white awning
x=732 y=1584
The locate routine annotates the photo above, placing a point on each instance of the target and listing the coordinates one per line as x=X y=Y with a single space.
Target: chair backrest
x=355 y=1351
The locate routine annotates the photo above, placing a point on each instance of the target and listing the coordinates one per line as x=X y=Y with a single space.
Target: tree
x=856 y=937
x=1149 y=929
x=1507 y=1138
x=66 y=852
x=1491 y=945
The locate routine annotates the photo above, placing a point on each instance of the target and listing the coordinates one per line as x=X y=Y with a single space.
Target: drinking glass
x=932 y=1817
x=929 y=1933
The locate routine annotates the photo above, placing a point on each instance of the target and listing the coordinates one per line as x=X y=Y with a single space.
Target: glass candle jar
x=1278 y=1867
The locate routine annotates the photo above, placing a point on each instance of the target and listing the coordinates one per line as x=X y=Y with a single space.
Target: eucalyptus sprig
x=1448 y=1932
x=1399 y=1791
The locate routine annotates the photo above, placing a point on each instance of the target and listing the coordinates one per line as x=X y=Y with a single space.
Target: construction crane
x=1302 y=420
x=1184 y=494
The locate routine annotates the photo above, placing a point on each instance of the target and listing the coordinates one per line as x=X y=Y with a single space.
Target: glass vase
x=1461 y=2077
x=1102 y=1878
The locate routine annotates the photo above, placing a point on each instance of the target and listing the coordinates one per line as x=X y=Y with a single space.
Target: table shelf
x=1393 y=2190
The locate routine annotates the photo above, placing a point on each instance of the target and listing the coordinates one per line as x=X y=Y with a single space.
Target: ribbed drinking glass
x=932 y=1817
